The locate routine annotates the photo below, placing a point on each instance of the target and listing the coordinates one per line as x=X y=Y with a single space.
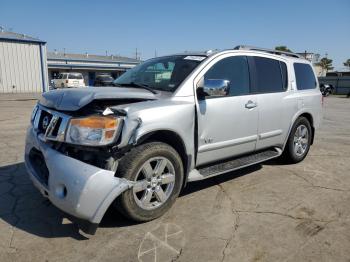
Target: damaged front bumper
x=83 y=191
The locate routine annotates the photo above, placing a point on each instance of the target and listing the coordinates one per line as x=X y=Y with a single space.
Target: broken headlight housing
x=93 y=130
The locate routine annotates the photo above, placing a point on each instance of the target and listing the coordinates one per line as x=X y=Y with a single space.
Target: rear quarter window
x=305 y=77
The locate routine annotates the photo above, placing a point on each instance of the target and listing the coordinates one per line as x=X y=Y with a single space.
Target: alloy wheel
x=155 y=182
x=301 y=140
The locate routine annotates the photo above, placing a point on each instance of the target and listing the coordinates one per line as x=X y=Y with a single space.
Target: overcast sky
x=174 y=26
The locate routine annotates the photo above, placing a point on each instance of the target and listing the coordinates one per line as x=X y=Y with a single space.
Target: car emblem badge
x=45 y=122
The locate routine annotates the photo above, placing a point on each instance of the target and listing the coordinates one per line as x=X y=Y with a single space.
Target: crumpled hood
x=73 y=99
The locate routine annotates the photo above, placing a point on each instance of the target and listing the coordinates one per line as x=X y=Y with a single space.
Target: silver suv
x=169 y=121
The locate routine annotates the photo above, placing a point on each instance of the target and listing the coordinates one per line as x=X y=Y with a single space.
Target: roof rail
x=270 y=51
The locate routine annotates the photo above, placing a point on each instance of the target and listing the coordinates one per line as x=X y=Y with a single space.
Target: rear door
x=73 y=80
x=275 y=100
x=227 y=125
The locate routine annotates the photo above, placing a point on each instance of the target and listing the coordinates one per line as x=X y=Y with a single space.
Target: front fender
x=162 y=115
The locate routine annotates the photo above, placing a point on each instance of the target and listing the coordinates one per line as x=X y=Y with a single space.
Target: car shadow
x=23 y=207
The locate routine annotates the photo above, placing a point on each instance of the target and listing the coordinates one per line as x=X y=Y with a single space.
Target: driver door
x=227 y=125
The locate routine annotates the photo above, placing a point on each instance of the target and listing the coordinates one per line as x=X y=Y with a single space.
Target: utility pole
x=155 y=52
x=137 y=54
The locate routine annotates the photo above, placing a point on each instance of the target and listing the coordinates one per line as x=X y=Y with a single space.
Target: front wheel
x=299 y=141
x=157 y=170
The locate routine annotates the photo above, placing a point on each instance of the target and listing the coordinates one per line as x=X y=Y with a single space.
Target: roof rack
x=270 y=51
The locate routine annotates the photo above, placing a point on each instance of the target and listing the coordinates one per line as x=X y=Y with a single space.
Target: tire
x=153 y=199
x=298 y=144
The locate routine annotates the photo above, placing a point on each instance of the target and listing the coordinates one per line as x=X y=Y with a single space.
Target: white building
x=22 y=63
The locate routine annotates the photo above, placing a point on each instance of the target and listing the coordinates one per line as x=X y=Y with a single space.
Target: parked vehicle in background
x=340 y=81
x=67 y=80
x=169 y=121
x=103 y=80
x=326 y=89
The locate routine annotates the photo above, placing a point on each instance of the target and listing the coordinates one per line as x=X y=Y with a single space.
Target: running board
x=233 y=164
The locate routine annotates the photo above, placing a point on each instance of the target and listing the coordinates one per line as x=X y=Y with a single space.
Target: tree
x=325 y=64
x=282 y=48
x=347 y=63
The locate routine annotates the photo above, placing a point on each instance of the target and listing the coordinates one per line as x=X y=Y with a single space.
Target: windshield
x=163 y=73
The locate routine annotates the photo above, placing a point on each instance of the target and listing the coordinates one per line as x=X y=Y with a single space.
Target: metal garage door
x=20 y=67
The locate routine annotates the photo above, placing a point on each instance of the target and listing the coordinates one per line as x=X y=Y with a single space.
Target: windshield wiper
x=133 y=84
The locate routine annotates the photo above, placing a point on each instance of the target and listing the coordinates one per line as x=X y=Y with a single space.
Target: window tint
x=268 y=75
x=304 y=76
x=284 y=75
x=234 y=69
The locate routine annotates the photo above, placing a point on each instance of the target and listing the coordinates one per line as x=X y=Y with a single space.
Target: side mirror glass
x=213 y=87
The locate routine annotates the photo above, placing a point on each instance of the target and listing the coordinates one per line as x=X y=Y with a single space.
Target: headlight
x=93 y=130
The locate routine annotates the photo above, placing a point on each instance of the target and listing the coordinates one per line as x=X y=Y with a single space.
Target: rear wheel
x=156 y=168
x=299 y=141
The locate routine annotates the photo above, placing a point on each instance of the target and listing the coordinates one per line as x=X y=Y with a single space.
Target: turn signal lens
x=95 y=122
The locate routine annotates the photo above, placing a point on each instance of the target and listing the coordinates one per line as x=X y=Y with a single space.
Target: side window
x=235 y=69
x=304 y=76
x=268 y=75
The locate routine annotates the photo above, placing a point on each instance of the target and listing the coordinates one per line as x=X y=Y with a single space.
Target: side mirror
x=213 y=87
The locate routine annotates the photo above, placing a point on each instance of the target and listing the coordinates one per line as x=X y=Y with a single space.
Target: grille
x=50 y=124
x=38 y=163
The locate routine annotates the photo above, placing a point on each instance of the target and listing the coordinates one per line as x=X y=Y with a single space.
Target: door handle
x=250 y=104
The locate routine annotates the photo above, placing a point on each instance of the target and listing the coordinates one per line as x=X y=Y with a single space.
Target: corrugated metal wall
x=20 y=67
